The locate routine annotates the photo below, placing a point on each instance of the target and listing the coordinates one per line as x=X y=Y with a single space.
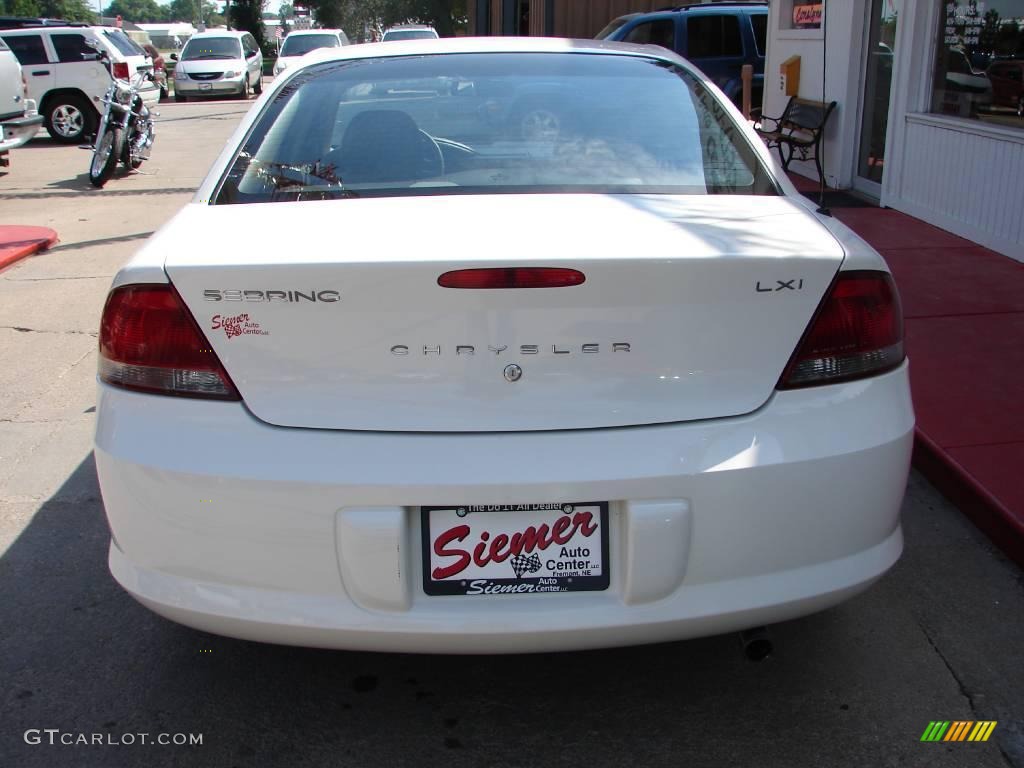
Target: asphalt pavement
x=938 y=638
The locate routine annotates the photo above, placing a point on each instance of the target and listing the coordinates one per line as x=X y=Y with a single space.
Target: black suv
x=718 y=37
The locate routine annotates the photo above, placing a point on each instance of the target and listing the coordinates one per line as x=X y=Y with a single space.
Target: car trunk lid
x=328 y=314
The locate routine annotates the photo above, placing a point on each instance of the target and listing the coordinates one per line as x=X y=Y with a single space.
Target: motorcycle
x=126 y=131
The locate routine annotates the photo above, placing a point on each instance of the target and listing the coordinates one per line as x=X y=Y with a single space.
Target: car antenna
x=822 y=208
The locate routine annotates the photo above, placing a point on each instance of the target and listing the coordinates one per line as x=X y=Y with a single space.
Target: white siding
x=965 y=177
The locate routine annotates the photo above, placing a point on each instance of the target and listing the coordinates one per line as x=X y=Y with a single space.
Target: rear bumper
x=311 y=537
x=15 y=133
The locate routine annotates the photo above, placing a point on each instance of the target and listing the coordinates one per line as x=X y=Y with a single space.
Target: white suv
x=18 y=118
x=64 y=77
x=218 y=63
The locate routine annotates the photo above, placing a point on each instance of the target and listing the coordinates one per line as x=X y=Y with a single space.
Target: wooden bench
x=798 y=131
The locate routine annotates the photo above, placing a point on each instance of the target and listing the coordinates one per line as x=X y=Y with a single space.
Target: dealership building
x=929 y=94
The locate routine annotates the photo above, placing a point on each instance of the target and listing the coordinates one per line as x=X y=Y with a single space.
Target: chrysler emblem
x=513 y=372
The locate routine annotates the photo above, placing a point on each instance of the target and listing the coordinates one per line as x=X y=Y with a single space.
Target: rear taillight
x=856 y=332
x=121 y=70
x=512 y=277
x=150 y=342
x=24 y=86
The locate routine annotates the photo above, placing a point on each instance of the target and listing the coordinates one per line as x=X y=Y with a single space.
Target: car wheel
x=244 y=93
x=69 y=119
x=258 y=88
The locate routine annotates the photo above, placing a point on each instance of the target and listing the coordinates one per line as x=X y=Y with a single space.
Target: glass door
x=881 y=47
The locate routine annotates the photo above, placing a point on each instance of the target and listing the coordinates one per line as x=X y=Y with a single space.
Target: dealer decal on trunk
x=237 y=325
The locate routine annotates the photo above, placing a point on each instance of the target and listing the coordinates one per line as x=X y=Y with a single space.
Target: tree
x=144 y=11
x=355 y=15
x=186 y=10
x=1006 y=39
x=19 y=8
x=989 y=31
x=69 y=10
x=248 y=15
x=286 y=11
x=443 y=15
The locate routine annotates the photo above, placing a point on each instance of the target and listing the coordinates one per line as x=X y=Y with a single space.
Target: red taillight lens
x=511 y=277
x=121 y=70
x=857 y=332
x=150 y=342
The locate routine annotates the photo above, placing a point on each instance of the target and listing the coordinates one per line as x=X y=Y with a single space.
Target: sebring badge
x=513 y=372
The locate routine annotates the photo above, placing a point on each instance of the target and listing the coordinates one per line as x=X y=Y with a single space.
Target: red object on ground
x=964 y=312
x=17 y=242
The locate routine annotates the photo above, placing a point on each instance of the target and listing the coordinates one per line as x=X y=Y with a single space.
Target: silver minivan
x=218 y=63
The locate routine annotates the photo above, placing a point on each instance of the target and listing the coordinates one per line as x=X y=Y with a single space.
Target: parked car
x=19 y=120
x=65 y=78
x=409 y=32
x=218 y=63
x=636 y=390
x=1007 y=79
x=159 y=70
x=302 y=41
x=719 y=38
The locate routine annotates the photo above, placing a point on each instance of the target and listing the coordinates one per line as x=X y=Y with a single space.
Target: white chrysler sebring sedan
x=499 y=345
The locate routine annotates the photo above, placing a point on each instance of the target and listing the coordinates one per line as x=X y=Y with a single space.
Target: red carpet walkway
x=964 y=310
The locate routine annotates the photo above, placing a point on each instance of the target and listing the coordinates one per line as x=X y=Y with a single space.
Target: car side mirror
x=174 y=57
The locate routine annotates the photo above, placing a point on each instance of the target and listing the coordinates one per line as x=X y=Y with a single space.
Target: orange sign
x=807 y=16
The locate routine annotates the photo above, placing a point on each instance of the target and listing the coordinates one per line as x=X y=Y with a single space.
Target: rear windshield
x=297 y=45
x=212 y=48
x=409 y=34
x=492 y=123
x=123 y=43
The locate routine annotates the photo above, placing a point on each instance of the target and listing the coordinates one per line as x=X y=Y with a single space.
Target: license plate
x=205 y=86
x=515 y=548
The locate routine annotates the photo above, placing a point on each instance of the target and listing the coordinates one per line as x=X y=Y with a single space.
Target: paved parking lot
x=939 y=638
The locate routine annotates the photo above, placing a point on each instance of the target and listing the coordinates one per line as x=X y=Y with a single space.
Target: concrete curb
x=17 y=242
x=987 y=512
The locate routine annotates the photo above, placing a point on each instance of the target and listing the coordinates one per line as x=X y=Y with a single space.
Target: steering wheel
x=432 y=161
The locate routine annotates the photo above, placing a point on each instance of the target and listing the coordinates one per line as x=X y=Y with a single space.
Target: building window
x=979 y=67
